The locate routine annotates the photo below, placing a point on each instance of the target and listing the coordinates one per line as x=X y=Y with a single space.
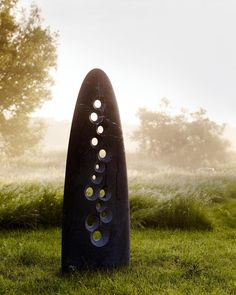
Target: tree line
x=27 y=57
x=186 y=139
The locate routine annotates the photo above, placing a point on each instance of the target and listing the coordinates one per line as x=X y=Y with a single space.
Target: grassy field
x=183 y=237
x=174 y=201
x=162 y=262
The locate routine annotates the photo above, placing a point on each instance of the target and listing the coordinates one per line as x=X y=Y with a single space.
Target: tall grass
x=31 y=189
x=30 y=205
x=181 y=213
x=182 y=205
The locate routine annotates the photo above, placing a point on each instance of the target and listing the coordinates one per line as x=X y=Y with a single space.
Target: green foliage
x=176 y=261
x=183 y=140
x=225 y=213
x=162 y=262
x=30 y=205
x=178 y=213
x=27 y=55
x=173 y=202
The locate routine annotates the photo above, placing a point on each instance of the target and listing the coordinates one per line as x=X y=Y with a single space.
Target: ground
x=183 y=232
x=162 y=262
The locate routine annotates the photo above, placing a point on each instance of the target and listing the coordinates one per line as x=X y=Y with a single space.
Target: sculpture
x=95 y=230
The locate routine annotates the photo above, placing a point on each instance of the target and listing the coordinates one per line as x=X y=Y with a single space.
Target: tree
x=185 y=140
x=27 y=56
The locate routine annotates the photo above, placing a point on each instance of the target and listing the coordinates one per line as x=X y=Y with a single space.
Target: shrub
x=30 y=205
x=178 y=213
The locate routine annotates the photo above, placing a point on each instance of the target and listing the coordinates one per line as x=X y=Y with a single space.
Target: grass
x=182 y=239
x=174 y=201
x=162 y=262
x=31 y=205
x=177 y=213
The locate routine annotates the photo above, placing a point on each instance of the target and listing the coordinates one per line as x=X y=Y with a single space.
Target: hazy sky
x=182 y=50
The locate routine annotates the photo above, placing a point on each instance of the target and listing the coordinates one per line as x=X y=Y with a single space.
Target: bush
x=178 y=213
x=30 y=205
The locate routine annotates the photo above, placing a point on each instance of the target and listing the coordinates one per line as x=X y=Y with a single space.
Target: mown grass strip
x=162 y=262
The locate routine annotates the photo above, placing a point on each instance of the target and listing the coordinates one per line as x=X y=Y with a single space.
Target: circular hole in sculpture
x=98 y=206
x=102 y=154
x=96 y=179
x=99 y=238
x=104 y=194
x=97 y=104
x=94 y=141
x=99 y=167
x=100 y=130
x=106 y=215
x=93 y=117
x=92 y=223
x=89 y=193
x=97 y=235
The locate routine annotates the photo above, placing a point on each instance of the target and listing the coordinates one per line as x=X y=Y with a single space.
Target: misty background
x=183 y=52
x=57 y=135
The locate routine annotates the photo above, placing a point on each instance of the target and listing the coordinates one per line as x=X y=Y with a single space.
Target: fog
x=182 y=50
x=57 y=135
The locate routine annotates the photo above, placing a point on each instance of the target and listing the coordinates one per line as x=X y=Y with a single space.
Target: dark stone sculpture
x=95 y=229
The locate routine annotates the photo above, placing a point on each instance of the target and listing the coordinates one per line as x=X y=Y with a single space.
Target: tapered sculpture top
x=95 y=211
